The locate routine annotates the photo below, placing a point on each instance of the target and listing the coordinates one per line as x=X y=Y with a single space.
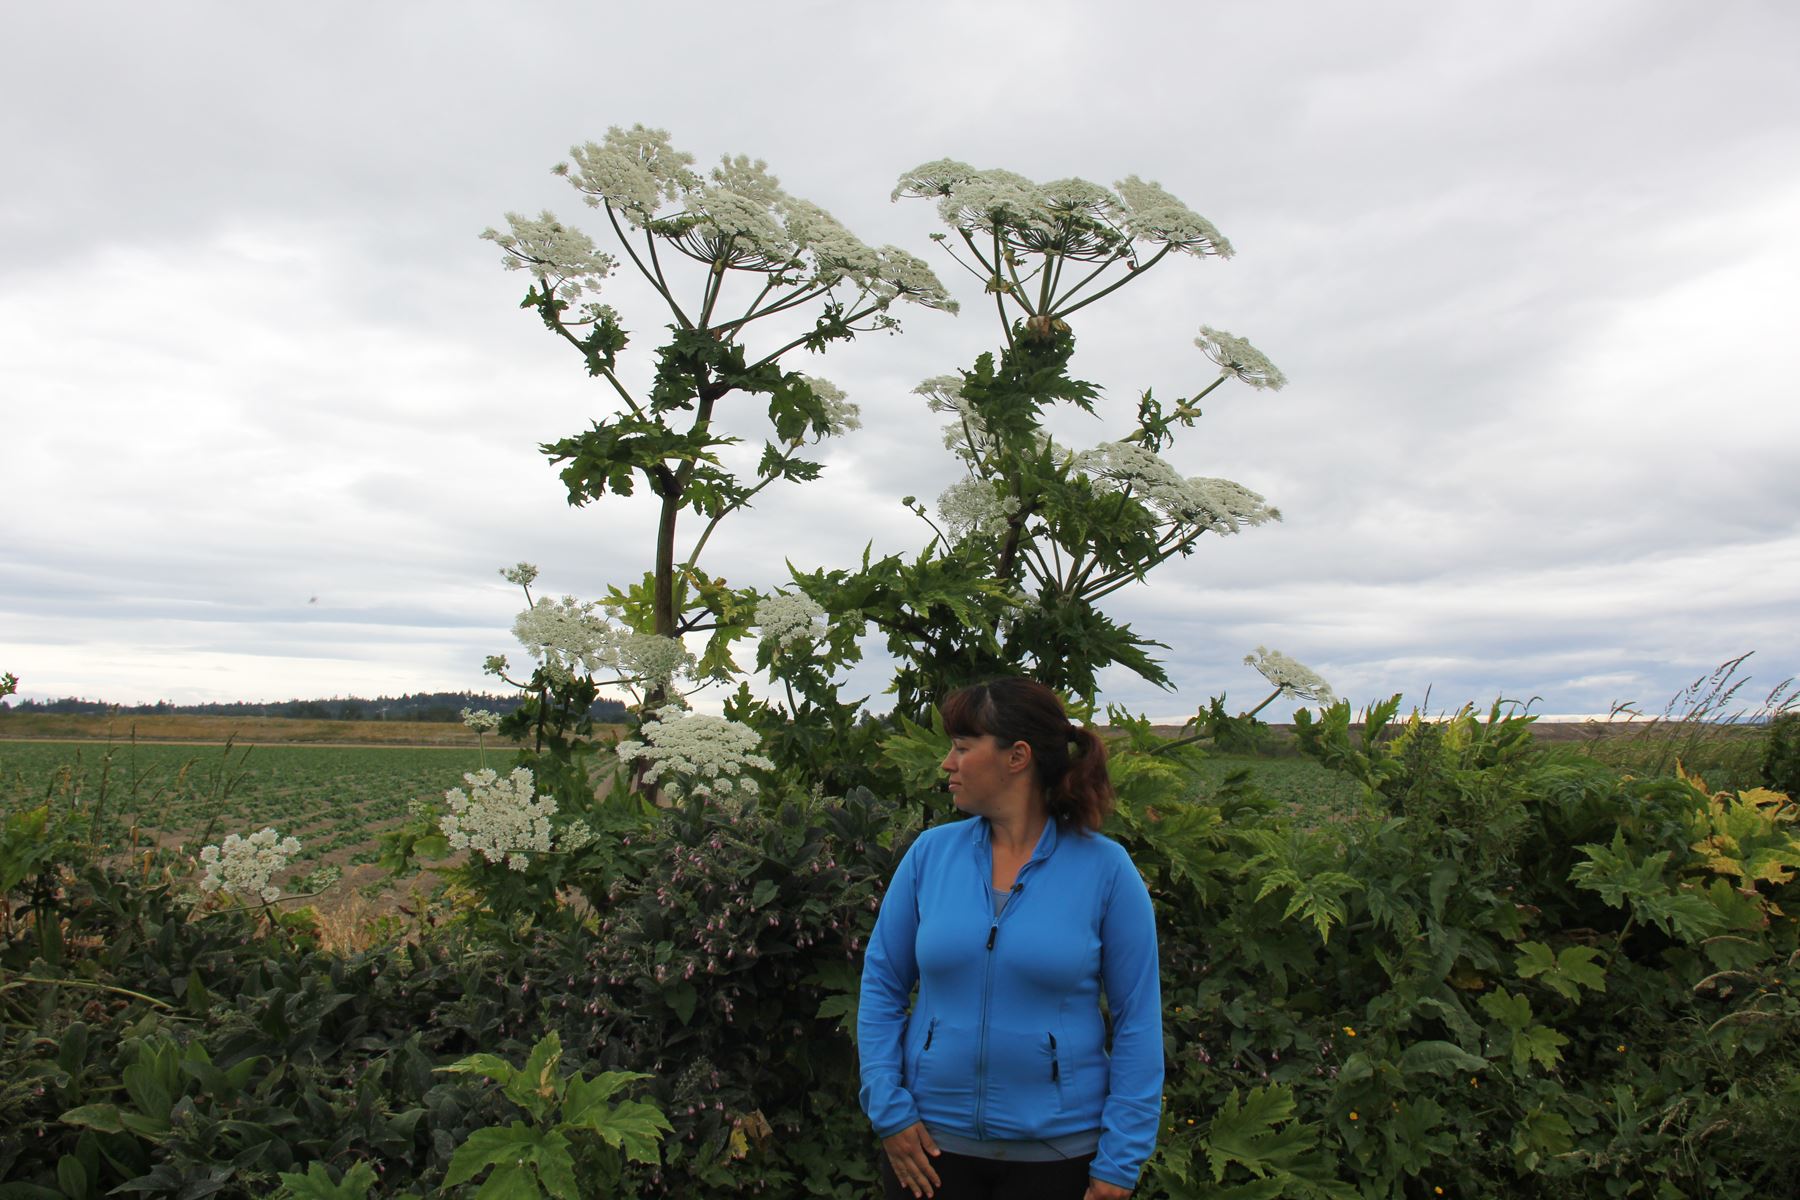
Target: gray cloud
x=1530 y=269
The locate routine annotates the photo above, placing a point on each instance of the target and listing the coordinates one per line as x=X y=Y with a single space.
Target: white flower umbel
x=500 y=819
x=243 y=866
x=975 y=505
x=567 y=634
x=1218 y=505
x=521 y=573
x=1238 y=357
x=1153 y=215
x=633 y=171
x=653 y=661
x=907 y=276
x=480 y=720
x=737 y=217
x=790 y=619
x=562 y=257
x=1290 y=676
x=693 y=754
x=841 y=414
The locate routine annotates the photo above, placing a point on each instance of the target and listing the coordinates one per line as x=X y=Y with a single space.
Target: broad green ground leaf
x=1439 y=1058
x=101 y=1117
x=1244 y=1132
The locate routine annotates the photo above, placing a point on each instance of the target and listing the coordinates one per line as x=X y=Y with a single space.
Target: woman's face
x=982 y=771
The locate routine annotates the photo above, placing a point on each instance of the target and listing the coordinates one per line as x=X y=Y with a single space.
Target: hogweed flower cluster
x=521 y=573
x=693 y=754
x=1068 y=218
x=243 y=866
x=500 y=819
x=1290 y=676
x=480 y=720
x=569 y=635
x=736 y=216
x=975 y=505
x=1218 y=505
x=841 y=414
x=1238 y=358
x=790 y=619
x=650 y=659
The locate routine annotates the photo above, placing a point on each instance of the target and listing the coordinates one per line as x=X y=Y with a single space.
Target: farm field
x=339 y=799
x=336 y=799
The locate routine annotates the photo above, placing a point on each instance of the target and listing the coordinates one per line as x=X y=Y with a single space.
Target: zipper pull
x=992 y=931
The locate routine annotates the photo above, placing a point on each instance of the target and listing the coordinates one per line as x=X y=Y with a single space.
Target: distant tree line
x=418 y=706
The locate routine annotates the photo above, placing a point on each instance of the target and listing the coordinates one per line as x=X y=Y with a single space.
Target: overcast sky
x=270 y=412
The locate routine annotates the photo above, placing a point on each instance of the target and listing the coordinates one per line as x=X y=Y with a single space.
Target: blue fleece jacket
x=1006 y=1041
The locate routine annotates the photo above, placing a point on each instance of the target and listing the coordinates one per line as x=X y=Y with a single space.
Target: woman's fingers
x=909 y=1153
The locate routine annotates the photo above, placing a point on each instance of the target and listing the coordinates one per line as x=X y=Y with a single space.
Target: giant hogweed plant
x=739 y=264
x=1027 y=545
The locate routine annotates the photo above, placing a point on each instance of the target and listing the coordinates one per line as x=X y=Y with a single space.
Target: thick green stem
x=1270 y=699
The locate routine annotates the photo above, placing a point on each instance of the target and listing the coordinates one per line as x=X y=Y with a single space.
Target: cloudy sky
x=269 y=412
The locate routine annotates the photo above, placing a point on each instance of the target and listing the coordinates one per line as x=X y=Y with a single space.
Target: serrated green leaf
x=1512 y=1011
x=587 y=1097
x=493 y=1146
x=316 y=1184
x=636 y=1128
x=1540 y=1044
x=490 y=1066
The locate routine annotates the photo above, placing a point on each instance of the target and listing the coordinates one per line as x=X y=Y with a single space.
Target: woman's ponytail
x=1084 y=795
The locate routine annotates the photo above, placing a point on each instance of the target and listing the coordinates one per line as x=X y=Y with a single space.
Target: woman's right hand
x=910 y=1153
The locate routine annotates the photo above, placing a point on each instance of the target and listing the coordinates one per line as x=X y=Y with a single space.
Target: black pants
x=963 y=1178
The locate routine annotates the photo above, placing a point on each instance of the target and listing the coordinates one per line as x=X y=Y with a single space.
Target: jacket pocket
x=943 y=1079
x=1024 y=1086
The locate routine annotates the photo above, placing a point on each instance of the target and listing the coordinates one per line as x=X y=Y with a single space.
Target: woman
x=997 y=1085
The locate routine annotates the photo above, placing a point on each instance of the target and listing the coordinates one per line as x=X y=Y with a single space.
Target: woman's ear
x=1018 y=756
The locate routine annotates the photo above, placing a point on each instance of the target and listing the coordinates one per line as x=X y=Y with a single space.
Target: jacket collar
x=982 y=833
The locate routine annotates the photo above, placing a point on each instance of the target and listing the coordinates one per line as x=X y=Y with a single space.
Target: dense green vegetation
x=1484 y=967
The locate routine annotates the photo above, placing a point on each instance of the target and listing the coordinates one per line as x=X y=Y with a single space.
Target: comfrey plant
x=1036 y=534
x=724 y=251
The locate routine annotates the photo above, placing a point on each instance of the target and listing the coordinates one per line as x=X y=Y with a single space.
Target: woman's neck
x=1016 y=830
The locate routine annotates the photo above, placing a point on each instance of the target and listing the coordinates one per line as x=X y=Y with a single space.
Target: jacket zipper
x=987 y=986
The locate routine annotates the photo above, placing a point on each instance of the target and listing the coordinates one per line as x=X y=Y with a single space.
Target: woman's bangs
x=964 y=709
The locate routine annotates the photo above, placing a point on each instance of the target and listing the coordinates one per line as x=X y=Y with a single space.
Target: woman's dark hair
x=1069 y=759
